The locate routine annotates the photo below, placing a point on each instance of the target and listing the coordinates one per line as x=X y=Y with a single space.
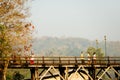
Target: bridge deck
x=40 y=62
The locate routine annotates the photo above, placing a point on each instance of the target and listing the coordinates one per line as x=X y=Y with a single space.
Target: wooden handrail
x=65 y=60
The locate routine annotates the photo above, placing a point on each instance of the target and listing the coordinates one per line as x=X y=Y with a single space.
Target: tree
x=91 y=50
x=15 y=30
x=98 y=51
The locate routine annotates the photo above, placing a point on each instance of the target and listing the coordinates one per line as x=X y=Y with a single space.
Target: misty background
x=90 y=19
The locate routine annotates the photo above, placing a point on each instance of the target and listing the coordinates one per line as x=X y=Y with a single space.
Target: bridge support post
x=116 y=75
x=66 y=73
x=1 y=74
x=92 y=73
x=34 y=73
x=62 y=72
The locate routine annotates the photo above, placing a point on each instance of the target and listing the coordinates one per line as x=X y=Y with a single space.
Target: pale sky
x=90 y=19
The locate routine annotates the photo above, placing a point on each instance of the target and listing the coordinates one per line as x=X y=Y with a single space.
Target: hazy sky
x=90 y=19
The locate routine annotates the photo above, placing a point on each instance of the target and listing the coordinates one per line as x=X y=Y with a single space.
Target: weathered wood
x=56 y=61
x=59 y=63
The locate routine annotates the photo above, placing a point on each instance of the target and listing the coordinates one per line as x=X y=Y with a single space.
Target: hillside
x=52 y=46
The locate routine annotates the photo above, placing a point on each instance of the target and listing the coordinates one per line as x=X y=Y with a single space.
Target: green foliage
x=91 y=50
x=11 y=73
x=8 y=77
x=98 y=51
x=5 y=46
x=18 y=76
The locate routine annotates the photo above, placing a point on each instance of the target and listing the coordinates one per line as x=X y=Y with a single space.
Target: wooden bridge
x=66 y=67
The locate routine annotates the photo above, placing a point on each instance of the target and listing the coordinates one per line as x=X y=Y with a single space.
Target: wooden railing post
x=53 y=61
x=76 y=61
x=59 y=60
x=43 y=59
x=108 y=61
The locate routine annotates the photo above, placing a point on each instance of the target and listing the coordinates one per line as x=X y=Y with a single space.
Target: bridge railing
x=42 y=60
